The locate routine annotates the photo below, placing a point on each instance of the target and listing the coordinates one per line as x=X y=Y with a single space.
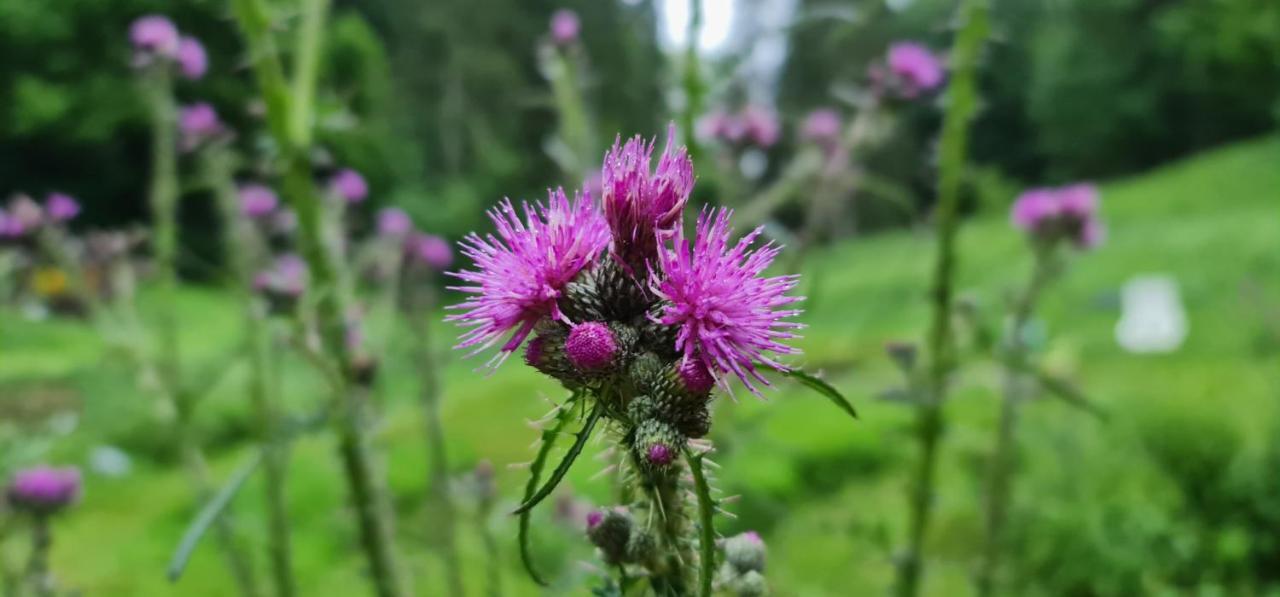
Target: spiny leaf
x=818 y=386
x=208 y=516
x=563 y=468
x=707 y=532
x=549 y=433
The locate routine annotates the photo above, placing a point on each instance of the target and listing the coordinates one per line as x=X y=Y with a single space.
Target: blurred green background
x=1171 y=106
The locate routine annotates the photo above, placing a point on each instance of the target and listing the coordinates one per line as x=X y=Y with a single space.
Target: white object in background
x=1152 y=318
x=110 y=461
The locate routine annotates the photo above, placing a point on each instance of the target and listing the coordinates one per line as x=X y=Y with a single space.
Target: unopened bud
x=694 y=376
x=745 y=552
x=591 y=346
x=611 y=533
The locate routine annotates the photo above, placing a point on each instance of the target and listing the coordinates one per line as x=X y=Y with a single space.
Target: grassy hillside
x=828 y=494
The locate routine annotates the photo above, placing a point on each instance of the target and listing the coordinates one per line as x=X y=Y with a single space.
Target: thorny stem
x=1000 y=471
x=164 y=213
x=668 y=510
x=38 y=576
x=293 y=134
x=437 y=454
x=930 y=423
x=239 y=240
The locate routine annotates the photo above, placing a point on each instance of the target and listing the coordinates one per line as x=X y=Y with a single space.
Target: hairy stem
x=239 y=240
x=961 y=105
x=1000 y=471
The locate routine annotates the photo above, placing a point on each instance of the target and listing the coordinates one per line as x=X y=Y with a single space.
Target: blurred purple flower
x=719 y=125
x=286 y=277
x=1069 y=212
x=350 y=185
x=916 y=68
x=760 y=125
x=727 y=314
x=394 y=222
x=565 y=27
x=1079 y=201
x=198 y=123
x=520 y=273
x=257 y=201
x=822 y=126
x=61 y=207
x=1035 y=209
x=430 y=250
x=25 y=215
x=644 y=209
x=154 y=35
x=44 y=490
x=192 y=59
x=10 y=228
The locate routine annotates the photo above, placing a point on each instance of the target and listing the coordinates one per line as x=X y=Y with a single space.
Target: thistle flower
x=198 y=123
x=154 y=35
x=1035 y=209
x=257 y=201
x=644 y=209
x=44 y=490
x=394 y=222
x=719 y=124
x=822 y=126
x=1069 y=212
x=25 y=215
x=61 y=207
x=565 y=27
x=192 y=59
x=521 y=273
x=431 y=250
x=350 y=185
x=727 y=314
x=760 y=125
x=286 y=278
x=914 y=67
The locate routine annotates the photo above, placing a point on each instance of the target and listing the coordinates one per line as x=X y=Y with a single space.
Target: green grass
x=829 y=494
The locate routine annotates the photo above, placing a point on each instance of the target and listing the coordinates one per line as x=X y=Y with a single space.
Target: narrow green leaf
x=707 y=530
x=208 y=516
x=1067 y=392
x=549 y=435
x=563 y=468
x=818 y=386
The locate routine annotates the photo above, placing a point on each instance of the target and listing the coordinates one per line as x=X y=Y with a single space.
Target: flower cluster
x=157 y=41
x=44 y=490
x=23 y=217
x=701 y=309
x=1064 y=213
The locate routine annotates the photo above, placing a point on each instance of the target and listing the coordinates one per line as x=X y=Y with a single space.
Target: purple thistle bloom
x=822 y=126
x=257 y=201
x=594 y=518
x=198 y=123
x=287 y=276
x=760 y=125
x=430 y=250
x=728 y=315
x=61 y=207
x=1078 y=201
x=644 y=209
x=660 y=454
x=350 y=185
x=44 y=490
x=521 y=273
x=9 y=227
x=154 y=35
x=915 y=67
x=565 y=27
x=1035 y=209
x=591 y=346
x=192 y=59
x=721 y=125
x=694 y=376
x=25 y=215
x=394 y=222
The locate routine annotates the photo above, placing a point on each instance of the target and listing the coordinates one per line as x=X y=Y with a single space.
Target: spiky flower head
x=44 y=490
x=349 y=185
x=644 y=208
x=394 y=223
x=565 y=27
x=1069 y=212
x=257 y=201
x=915 y=68
x=728 y=314
x=521 y=272
x=154 y=35
x=591 y=346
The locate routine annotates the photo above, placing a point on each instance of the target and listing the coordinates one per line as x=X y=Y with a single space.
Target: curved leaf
x=549 y=434
x=563 y=468
x=818 y=386
x=208 y=515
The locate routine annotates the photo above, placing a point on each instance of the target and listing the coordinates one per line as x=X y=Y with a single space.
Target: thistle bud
x=694 y=377
x=44 y=490
x=642 y=548
x=611 y=533
x=745 y=552
x=546 y=354
x=657 y=444
x=591 y=347
x=751 y=584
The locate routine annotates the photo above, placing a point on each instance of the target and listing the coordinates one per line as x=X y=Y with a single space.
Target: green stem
x=239 y=240
x=437 y=454
x=366 y=484
x=694 y=88
x=1000 y=472
x=961 y=105
x=164 y=214
x=38 y=567
x=575 y=124
x=667 y=505
x=493 y=557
